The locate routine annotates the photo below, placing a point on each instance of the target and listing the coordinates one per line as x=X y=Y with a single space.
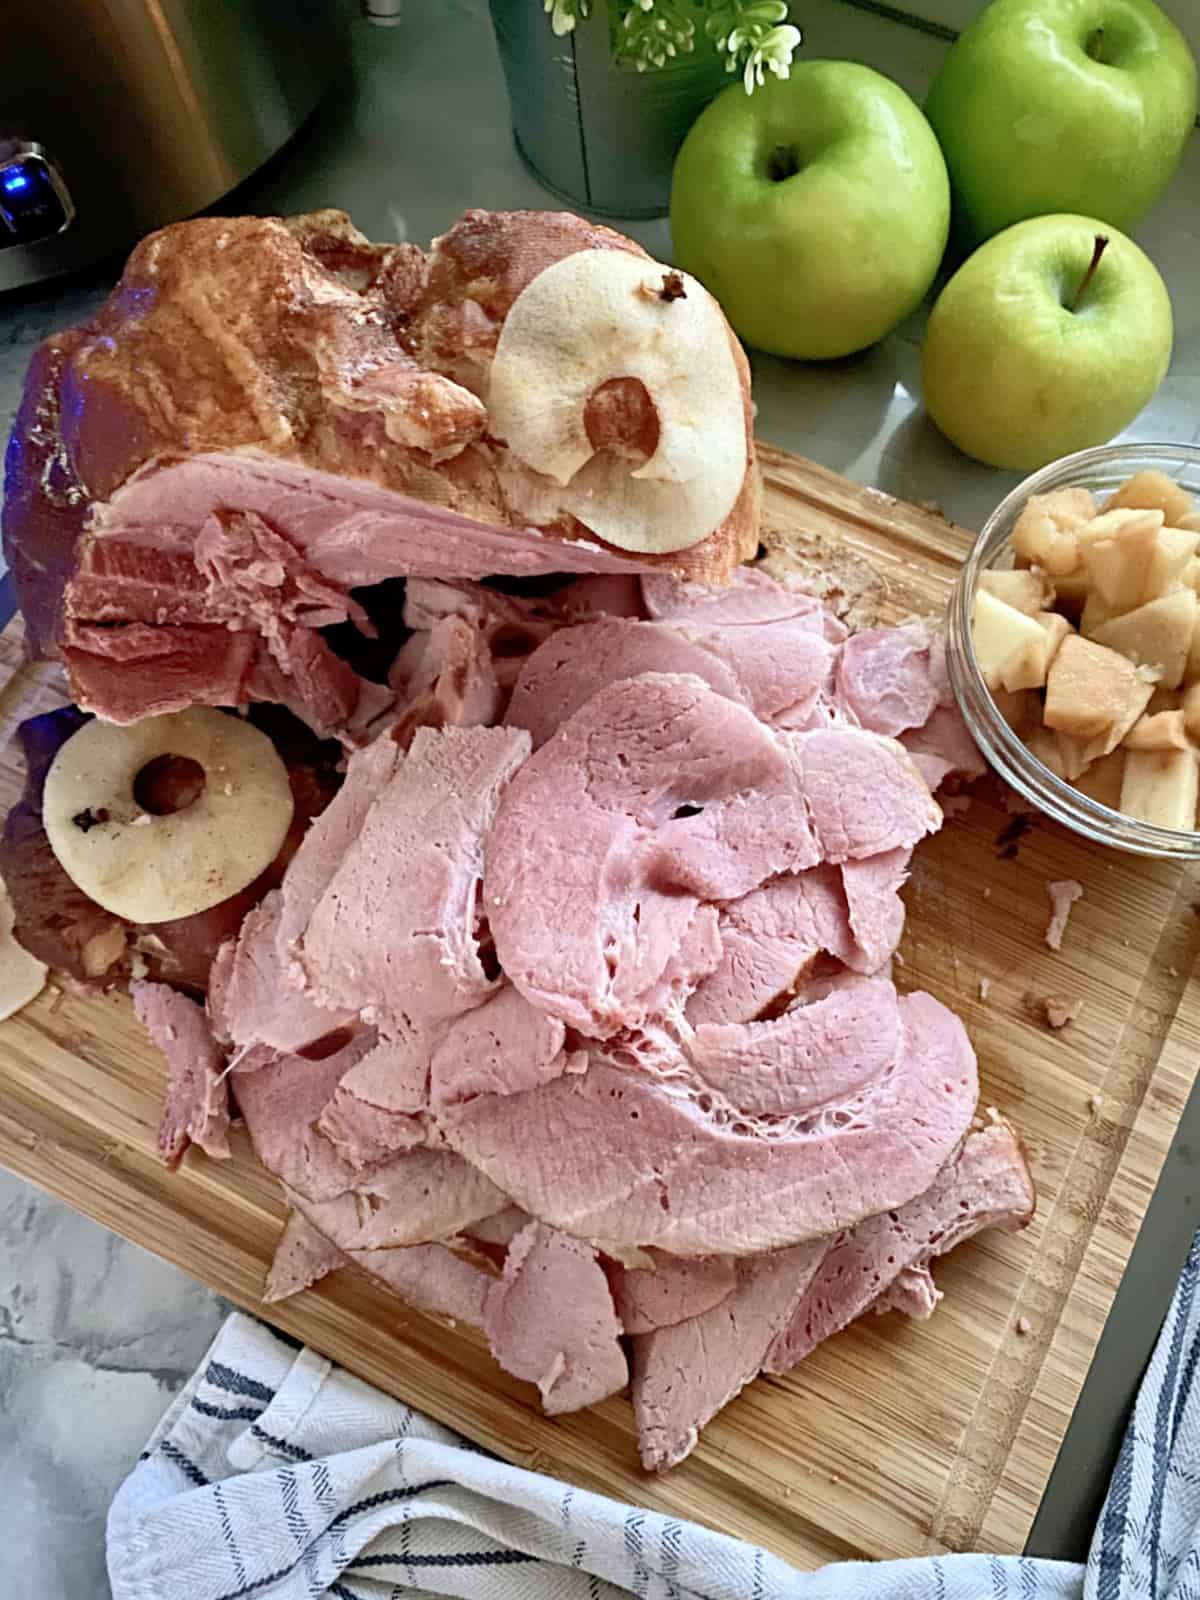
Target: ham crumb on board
x=985 y=985
x=1024 y=1327
x=1063 y=894
x=1059 y=1013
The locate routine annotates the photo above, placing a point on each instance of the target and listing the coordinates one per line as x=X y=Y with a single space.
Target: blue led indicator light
x=14 y=182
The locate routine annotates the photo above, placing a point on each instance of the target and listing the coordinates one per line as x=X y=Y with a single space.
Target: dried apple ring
x=223 y=807
x=600 y=316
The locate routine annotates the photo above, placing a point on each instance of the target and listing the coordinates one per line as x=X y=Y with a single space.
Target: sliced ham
x=550 y=1320
x=750 y=596
x=684 y=1373
x=302 y=1257
x=248 y=997
x=655 y=793
x=394 y=933
x=606 y=1154
x=504 y=1046
x=777 y=670
x=673 y=1290
x=196 y=1109
x=416 y=1198
x=872 y=889
x=812 y=1057
x=768 y=939
x=432 y=1278
x=985 y=1185
x=282 y=1097
x=863 y=792
x=885 y=679
x=574 y=663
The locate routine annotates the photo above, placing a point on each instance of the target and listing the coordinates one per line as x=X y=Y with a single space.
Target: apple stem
x=1098 y=250
x=1095 y=45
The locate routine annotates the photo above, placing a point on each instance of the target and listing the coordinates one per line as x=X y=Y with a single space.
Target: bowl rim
x=1003 y=748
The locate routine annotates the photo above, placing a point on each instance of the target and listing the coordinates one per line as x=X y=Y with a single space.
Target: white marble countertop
x=95 y=1335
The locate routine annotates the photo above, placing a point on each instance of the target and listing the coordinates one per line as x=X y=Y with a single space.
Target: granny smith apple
x=815 y=209
x=1049 y=339
x=1062 y=105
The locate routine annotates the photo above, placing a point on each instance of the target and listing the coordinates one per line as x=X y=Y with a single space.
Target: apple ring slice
x=154 y=859
x=602 y=315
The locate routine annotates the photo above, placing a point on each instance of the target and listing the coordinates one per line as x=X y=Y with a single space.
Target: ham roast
x=268 y=414
x=566 y=1010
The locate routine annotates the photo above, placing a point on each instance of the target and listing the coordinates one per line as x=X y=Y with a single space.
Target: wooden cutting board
x=894 y=1438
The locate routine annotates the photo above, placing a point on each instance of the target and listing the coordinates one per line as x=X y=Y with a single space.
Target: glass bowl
x=1102 y=471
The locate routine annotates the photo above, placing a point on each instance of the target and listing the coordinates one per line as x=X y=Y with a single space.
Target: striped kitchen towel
x=275 y=1474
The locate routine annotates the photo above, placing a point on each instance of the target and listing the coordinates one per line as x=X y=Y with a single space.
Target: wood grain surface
x=894 y=1438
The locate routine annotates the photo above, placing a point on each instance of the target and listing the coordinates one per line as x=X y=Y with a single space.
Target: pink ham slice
x=302 y=1257
x=167 y=532
x=768 y=939
x=750 y=596
x=674 y=1290
x=574 y=663
x=872 y=890
x=394 y=934
x=817 y=1055
x=608 y=1155
x=281 y=1097
x=504 y=1046
x=255 y=998
x=986 y=1185
x=550 y=1320
x=419 y=1197
x=885 y=680
x=350 y=532
x=196 y=1109
x=432 y=1278
x=248 y=997
x=778 y=670
x=656 y=792
x=864 y=793
x=685 y=1373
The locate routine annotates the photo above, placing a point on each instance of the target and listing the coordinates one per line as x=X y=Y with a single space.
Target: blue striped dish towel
x=276 y=1475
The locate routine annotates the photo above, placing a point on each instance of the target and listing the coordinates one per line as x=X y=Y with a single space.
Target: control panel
x=35 y=202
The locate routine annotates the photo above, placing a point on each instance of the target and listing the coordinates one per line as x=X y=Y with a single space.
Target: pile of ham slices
x=572 y=1017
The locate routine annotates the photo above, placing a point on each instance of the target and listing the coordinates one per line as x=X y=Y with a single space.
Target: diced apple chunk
x=1117 y=549
x=1025 y=589
x=1101 y=781
x=1152 y=490
x=1160 y=787
x=1090 y=688
x=1174 y=553
x=1045 y=532
x=1190 y=523
x=1011 y=648
x=1156 y=635
x=1163 y=731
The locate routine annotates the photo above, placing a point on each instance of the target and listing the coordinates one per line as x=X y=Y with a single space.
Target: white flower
x=564 y=14
x=774 y=52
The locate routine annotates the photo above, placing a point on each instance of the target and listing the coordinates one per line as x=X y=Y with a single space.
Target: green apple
x=1049 y=339
x=815 y=209
x=1062 y=105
